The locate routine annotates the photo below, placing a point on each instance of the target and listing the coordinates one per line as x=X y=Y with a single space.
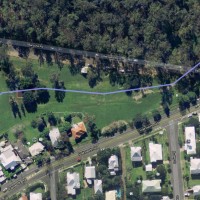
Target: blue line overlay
x=105 y=93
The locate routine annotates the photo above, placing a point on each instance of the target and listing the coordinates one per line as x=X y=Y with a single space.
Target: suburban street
x=177 y=179
x=53 y=185
x=86 y=150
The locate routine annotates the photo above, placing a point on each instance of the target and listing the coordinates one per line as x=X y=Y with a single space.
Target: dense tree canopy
x=165 y=30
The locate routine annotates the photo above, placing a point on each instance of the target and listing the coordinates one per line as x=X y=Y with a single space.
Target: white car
x=186 y=194
x=190 y=115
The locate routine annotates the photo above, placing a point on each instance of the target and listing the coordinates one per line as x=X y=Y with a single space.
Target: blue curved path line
x=105 y=93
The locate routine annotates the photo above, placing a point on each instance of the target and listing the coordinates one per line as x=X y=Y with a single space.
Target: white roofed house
x=90 y=174
x=196 y=190
x=113 y=164
x=136 y=154
x=155 y=151
x=36 y=149
x=190 y=140
x=54 y=135
x=149 y=186
x=35 y=196
x=73 y=182
x=194 y=165
x=9 y=157
x=98 y=186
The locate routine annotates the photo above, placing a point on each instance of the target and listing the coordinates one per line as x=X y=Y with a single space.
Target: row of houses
x=190 y=148
x=155 y=153
x=77 y=131
x=73 y=179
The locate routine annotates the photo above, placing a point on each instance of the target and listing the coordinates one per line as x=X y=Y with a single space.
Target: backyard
x=85 y=192
x=138 y=172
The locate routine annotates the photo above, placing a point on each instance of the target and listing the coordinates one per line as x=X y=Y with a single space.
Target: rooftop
x=190 y=140
x=98 y=186
x=54 y=135
x=151 y=185
x=113 y=164
x=9 y=157
x=111 y=195
x=136 y=154
x=73 y=182
x=90 y=172
x=194 y=165
x=78 y=130
x=36 y=149
x=35 y=196
x=155 y=151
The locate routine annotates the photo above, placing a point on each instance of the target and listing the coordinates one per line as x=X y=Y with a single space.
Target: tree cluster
x=117 y=126
x=125 y=27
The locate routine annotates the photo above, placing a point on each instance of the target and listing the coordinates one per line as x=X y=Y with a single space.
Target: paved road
x=53 y=184
x=177 y=178
x=149 y=64
x=31 y=176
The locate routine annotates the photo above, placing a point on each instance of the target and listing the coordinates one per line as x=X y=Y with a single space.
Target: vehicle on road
x=78 y=159
x=186 y=194
x=190 y=115
x=5 y=189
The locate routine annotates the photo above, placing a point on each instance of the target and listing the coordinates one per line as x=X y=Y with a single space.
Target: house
x=113 y=164
x=151 y=185
x=90 y=174
x=98 y=186
x=165 y=198
x=155 y=151
x=190 y=140
x=35 y=196
x=73 y=183
x=23 y=197
x=54 y=135
x=194 y=165
x=148 y=168
x=22 y=150
x=36 y=149
x=78 y=130
x=2 y=177
x=196 y=190
x=111 y=195
x=136 y=155
x=9 y=157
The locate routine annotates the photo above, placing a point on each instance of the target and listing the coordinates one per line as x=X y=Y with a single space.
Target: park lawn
x=105 y=108
x=85 y=193
x=132 y=172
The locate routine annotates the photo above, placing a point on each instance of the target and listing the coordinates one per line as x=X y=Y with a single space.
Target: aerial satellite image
x=100 y=100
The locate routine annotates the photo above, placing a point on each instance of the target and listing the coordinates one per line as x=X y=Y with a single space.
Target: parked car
x=186 y=194
x=5 y=189
x=78 y=159
x=190 y=115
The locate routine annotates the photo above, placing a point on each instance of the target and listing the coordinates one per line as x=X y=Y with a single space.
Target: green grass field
x=105 y=108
